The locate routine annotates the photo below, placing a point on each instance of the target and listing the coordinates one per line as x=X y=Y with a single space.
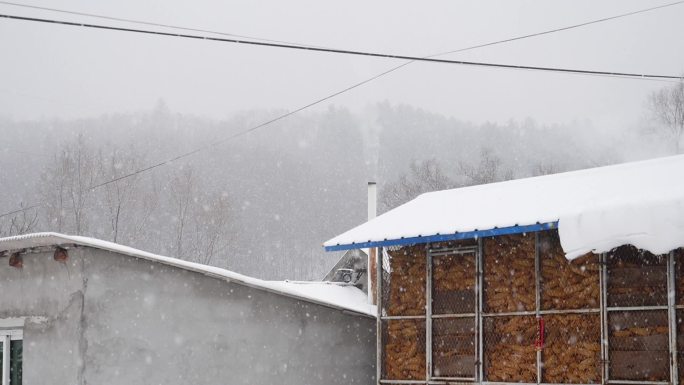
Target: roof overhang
x=517 y=229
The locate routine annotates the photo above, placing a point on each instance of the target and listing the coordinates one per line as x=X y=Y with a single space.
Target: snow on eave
x=342 y=297
x=598 y=199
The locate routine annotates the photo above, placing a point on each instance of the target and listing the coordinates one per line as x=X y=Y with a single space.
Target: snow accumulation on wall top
x=638 y=203
x=339 y=296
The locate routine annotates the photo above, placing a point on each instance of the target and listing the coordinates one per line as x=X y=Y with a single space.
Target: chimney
x=372 y=252
x=372 y=200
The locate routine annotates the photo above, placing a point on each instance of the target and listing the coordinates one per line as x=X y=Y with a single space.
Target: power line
x=541 y=33
x=22 y=209
x=349 y=88
x=566 y=28
x=143 y=22
x=149 y=23
x=341 y=51
x=221 y=141
x=244 y=132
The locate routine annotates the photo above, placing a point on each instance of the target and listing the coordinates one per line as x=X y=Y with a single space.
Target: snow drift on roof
x=639 y=203
x=340 y=296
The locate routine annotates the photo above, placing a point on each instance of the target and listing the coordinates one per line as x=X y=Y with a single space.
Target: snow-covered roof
x=639 y=203
x=339 y=296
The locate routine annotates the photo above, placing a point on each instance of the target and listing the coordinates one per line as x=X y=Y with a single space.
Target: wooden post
x=373 y=276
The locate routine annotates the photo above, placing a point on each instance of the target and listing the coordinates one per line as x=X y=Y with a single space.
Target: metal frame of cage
x=382 y=267
x=431 y=316
x=603 y=311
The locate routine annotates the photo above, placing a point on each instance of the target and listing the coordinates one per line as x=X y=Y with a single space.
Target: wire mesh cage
x=456 y=244
x=509 y=273
x=680 y=344
x=453 y=347
x=567 y=285
x=404 y=349
x=634 y=295
x=636 y=278
x=679 y=275
x=572 y=349
x=509 y=351
x=384 y=282
x=453 y=283
x=403 y=281
x=638 y=344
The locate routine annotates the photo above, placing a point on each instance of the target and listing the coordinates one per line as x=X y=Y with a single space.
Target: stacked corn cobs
x=405 y=339
x=453 y=339
x=453 y=282
x=509 y=274
x=453 y=273
x=572 y=351
x=510 y=355
x=679 y=278
x=641 y=352
x=641 y=331
x=405 y=350
x=636 y=278
x=679 y=274
x=407 y=282
x=568 y=285
x=639 y=345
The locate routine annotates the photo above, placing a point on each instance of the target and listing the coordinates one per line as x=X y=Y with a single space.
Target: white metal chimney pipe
x=372 y=200
x=372 y=253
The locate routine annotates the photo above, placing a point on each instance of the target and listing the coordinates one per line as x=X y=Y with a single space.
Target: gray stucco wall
x=115 y=319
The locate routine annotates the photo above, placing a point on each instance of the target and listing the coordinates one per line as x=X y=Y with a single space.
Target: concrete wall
x=114 y=319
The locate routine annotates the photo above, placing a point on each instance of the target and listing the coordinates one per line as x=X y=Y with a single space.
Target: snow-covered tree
x=667 y=107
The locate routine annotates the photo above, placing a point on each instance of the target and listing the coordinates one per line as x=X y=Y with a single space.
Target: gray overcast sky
x=57 y=71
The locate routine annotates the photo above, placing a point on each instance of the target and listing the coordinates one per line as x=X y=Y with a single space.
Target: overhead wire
x=566 y=28
x=337 y=93
x=22 y=209
x=341 y=51
x=144 y=22
x=165 y=25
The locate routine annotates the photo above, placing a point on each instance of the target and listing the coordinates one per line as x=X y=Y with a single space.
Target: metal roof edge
x=30 y=241
x=448 y=237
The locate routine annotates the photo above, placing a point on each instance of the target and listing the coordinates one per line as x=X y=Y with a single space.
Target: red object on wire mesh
x=539 y=343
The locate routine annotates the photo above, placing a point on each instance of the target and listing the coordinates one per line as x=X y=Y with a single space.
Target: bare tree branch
x=667 y=107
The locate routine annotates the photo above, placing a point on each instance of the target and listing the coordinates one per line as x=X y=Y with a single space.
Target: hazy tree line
x=429 y=175
x=260 y=205
x=667 y=108
x=518 y=150
x=179 y=217
x=263 y=203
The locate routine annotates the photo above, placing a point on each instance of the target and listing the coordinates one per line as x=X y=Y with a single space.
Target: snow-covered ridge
x=638 y=203
x=339 y=296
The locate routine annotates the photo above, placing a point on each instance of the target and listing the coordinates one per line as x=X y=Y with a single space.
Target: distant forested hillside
x=262 y=203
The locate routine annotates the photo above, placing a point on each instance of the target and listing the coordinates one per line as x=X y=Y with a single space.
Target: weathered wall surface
x=114 y=319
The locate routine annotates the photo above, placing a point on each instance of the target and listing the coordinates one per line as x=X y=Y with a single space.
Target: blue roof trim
x=448 y=237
